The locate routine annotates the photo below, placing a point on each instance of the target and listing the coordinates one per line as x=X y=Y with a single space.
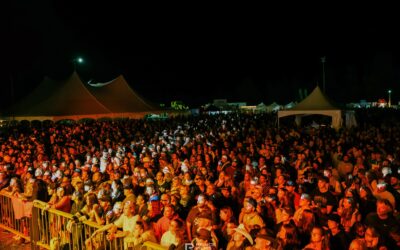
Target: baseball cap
x=305 y=196
x=290 y=183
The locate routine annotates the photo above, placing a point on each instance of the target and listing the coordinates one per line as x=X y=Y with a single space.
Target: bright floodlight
x=77 y=60
x=389 y=91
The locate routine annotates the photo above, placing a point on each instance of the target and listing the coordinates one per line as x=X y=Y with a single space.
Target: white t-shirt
x=168 y=238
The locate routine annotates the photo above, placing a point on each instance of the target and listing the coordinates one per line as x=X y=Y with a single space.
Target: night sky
x=200 y=53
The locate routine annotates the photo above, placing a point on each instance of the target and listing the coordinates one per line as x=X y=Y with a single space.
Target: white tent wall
x=335 y=114
x=315 y=104
x=350 y=119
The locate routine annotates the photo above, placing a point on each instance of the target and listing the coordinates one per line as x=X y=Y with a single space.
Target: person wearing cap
x=263 y=242
x=194 y=212
x=291 y=188
x=337 y=239
x=304 y=204
x=205 y=220
x=76 y=176
x=241 y=239
x=381 y=192
x=149 y=182
x=47 y=177
x=249 y=216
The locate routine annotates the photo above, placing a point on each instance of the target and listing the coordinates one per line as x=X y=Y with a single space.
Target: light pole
x=323 y=60
x=390 y=98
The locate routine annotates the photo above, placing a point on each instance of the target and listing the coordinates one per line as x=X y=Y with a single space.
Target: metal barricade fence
x=54 y=229
x=17 y=223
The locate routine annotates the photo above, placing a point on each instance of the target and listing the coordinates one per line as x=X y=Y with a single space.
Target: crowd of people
x=216 y=182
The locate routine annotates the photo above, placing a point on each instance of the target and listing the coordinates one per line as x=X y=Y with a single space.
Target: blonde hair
x=358 y=244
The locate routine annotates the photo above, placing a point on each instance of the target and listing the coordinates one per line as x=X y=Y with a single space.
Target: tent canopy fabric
x=118 y=97
x=316 y=103
x=72 y=99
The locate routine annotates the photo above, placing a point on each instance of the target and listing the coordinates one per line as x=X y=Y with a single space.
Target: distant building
x=224 y=105
x=248 y=109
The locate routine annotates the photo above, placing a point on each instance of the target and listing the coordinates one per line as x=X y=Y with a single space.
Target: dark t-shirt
x=324 y=199
x=383 y=227
x=339 y=241
x=194 y=213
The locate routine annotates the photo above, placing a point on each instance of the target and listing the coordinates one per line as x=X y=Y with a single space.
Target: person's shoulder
x=372 y=216
x=194 y=210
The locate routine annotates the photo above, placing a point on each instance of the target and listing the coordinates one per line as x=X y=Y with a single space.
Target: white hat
x=166 y=170
x=117 y=206
x=184 y=168
x=242 y=230
x=38 y=172
x=149 y=181
x=386 y=171
x=95 y=160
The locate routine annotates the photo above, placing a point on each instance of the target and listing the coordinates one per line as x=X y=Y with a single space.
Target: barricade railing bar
x=17 y=224
x=48 y=228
